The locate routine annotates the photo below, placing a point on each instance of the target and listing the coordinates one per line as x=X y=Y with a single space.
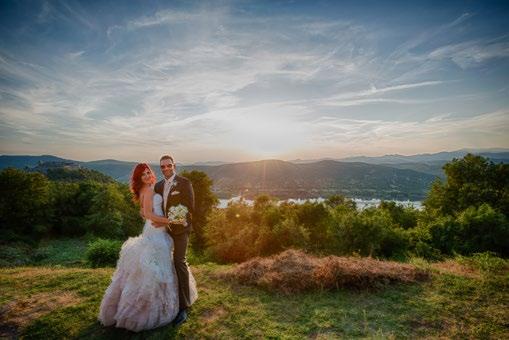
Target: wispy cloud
x=229 y=83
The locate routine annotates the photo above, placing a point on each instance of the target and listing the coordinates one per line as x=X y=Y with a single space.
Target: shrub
x=370 y=232
x=404 y=217
x=482 y=229
x=15 y=254
x=103 y=253
x=230 y=235
x=487 y=262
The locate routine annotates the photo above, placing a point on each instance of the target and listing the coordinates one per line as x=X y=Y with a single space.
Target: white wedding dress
x=143 y=293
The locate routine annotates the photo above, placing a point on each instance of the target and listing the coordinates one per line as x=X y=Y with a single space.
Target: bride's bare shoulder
x=147 y=191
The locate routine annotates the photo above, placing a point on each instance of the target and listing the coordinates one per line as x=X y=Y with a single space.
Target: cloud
x=471 y=53
x=223 y=84
x=440 y=132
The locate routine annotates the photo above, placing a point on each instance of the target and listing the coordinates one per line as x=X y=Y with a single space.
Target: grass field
x=54 y=302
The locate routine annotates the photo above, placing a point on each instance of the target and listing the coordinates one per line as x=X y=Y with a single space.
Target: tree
x=105 y=217
x=405 y=217
x=25 y=207
x=204 y=201
x=341 y=201
x=470 y=181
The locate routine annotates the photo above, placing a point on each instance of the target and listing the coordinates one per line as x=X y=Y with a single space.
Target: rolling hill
x=386 y=177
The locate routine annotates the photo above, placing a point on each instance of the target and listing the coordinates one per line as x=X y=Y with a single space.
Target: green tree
x=204 y=201
x=482 y=229
x=405 y=217
x=341 y=201
x=25 y=205
x=470 y=181
x=68 y=217
x=105 y=217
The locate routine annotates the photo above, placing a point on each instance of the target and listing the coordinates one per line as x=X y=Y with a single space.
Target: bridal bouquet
x=178 y=214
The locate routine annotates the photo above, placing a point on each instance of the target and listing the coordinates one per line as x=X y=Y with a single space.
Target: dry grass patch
x=20 y=312
x=455 y=268
x=212 y=315
x=295 y=271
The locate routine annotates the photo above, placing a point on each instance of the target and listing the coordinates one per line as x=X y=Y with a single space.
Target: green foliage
x=487 y=262
x=204 y=201
x=468 y=213
x=15 y=254
x=240 y=232
x=369 y=232
x=482 y=229
x=471 y=181
x=25 y=205
x=33 y=207
x=405 y=217
x=70 y=208
x=103 y=252
x=77 y=175
x=105 y=217
x=53 y=252
x=335 y=201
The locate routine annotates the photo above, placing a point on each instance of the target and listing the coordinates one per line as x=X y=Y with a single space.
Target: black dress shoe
x=180 y=318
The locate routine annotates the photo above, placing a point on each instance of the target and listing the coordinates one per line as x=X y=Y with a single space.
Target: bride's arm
x=147 y=209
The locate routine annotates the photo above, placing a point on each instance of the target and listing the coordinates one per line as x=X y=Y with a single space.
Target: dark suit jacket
x=180 y=193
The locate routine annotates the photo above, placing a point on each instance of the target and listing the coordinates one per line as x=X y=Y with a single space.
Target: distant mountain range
x=431 y=158
x=386 y=177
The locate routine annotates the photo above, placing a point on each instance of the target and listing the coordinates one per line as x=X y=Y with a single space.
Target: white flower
x=178 y=213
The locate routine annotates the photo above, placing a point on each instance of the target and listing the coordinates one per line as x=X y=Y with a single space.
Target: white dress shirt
x=168 y=183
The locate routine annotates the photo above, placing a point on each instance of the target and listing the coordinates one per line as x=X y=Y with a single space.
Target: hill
x=387 y=177
x=288 y=180
x=54 y=302
x=21 y=161
x=69 y=172
x=496 y=155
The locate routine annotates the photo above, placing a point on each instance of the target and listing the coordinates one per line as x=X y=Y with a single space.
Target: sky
x=249 y=80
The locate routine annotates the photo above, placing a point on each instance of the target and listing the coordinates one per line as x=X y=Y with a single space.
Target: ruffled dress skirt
x=143 y=293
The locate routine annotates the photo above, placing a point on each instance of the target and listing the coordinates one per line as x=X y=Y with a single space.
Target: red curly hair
x=136 y=183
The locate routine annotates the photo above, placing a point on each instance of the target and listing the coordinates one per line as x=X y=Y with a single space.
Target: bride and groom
x=152 y=284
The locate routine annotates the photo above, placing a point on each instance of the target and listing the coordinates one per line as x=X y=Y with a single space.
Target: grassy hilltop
x=463 y=298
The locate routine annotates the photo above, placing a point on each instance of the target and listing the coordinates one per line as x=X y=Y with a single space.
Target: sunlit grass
x=449 y=305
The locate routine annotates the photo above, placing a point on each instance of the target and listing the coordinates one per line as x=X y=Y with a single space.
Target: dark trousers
x=179 y=258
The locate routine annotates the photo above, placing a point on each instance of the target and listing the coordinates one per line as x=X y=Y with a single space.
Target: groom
x=177 y=190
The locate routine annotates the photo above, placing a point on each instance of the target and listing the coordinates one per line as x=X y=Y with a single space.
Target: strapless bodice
x=157 y=205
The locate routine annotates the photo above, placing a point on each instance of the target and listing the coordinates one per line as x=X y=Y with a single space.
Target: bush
x=103 y=253
x=15 y=254
x=230 y=235
x=482 y=229
x=369 y=233
x=487 y=262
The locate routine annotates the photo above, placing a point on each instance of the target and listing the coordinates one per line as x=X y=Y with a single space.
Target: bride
x=143 y=293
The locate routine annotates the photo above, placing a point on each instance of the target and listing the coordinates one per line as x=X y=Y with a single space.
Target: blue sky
x=246 y=80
